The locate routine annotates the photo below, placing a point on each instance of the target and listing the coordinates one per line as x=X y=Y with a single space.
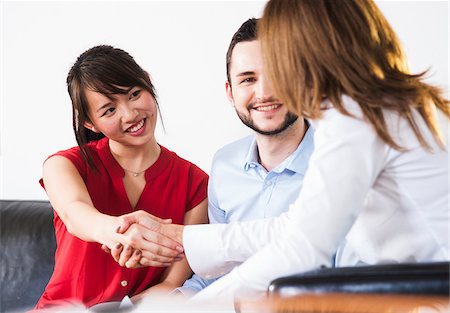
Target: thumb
x=144 y=214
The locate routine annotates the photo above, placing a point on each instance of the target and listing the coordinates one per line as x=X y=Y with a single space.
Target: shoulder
x=348 y=104
x=75 y=156
x=340 y=121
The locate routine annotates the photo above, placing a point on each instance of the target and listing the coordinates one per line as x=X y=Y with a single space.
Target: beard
x=289 y=119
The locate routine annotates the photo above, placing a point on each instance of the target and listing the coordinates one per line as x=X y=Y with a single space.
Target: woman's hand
x=142 y=243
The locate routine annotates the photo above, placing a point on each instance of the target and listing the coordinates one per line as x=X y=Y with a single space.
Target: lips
x=136 y=127
x=266 y=108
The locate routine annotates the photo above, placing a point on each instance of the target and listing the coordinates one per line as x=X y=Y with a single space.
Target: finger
x=125 y=255
x=106 y=249
x=116 y=251
x=133 y=261
x=149 y=221
x=162 y=259
x=146 y=262
x=143 y=218
x=144 y=214
x=161 y=245
x=125 y=222
x=140 y=237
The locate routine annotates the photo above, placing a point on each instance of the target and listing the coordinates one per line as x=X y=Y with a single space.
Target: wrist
x=106 y=229
x=179 y=234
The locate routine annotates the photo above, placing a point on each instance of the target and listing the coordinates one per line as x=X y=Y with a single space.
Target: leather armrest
x=414 y=278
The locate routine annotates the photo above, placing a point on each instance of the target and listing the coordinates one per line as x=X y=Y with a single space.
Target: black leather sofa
x=26 y=252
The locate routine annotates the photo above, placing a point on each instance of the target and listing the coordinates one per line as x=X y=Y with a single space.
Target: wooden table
x=345 y=303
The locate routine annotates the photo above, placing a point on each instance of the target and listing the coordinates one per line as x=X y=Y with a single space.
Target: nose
x=263 y=89
x=129 y=113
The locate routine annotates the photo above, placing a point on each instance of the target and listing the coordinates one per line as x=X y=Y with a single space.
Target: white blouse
x=377 y=204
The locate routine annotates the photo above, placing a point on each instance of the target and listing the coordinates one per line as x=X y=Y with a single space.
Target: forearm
x=162 y=289
x=87 y=223
x=213 y=250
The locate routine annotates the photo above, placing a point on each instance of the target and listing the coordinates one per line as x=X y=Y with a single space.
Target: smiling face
x=251 y=94
x=127 y=118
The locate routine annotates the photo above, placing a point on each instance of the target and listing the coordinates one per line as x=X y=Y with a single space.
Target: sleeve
x=213 y=250
x=198 y=184
x=194 y=285
x=215 y=214
x=343 y=167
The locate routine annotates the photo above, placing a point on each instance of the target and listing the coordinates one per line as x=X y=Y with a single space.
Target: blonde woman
x=376 y=190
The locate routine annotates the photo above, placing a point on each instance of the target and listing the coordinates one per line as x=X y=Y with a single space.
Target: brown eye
x=109 y=111
x=248 y=80
x=135 y=93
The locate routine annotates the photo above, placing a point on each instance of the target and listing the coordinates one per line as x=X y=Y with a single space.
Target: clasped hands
x=146 y=240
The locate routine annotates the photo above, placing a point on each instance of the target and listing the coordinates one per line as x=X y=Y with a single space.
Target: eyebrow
x=245 y=73
x=103 y=106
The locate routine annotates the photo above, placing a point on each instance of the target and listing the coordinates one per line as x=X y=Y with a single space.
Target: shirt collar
x=296 y=162
x=251 y=160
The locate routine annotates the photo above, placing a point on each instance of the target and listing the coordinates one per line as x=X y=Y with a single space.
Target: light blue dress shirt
x=240 y=189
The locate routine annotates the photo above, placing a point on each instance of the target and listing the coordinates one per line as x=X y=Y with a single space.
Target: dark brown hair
x=316 y=49
x=106 y=70
x=247 y=32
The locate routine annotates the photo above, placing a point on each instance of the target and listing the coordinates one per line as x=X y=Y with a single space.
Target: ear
x=229 y=92
x=90 y=126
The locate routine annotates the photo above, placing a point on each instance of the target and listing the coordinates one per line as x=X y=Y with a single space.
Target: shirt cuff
x=205 y=250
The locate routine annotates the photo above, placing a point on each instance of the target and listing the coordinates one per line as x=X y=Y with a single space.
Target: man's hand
x=173 y=231
x=143 y=218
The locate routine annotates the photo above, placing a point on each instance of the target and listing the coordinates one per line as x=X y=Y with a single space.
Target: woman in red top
x=117 y=168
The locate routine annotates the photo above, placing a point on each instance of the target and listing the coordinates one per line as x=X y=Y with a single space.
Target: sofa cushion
x=27 y=252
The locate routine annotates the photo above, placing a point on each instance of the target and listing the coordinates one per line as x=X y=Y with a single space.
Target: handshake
x=142 y=239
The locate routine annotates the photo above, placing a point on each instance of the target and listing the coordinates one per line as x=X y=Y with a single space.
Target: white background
x=182 y=44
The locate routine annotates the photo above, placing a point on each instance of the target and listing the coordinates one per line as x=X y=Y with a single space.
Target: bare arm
x=70 y=198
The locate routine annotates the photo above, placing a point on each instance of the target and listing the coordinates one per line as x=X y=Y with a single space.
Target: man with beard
x=258 y=176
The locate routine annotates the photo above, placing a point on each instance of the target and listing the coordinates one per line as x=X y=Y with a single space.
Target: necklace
x=135 y=174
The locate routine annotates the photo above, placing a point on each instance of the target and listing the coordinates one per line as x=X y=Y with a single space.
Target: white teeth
x=137 y=127
x=267 y=108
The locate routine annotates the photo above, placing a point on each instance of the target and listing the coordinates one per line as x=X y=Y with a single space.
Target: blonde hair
x=316 y=49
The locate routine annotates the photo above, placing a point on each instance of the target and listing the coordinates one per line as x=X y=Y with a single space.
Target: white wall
x=182 y=45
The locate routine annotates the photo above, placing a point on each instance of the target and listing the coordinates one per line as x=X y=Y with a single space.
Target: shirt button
x=124 y=283
x=268 y=183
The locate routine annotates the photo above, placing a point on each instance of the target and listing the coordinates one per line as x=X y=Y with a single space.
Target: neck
x=135 y=159
x=275 y=149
